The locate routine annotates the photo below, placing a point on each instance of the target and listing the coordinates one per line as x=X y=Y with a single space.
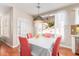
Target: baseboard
x=65 y=46
x=7 y=43
x=14 y=46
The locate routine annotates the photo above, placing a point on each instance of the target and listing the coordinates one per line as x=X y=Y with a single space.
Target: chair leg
x=59 y=54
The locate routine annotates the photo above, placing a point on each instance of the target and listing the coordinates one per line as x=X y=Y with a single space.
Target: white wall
x=70 y=21
x=77 y=15
x=5 y=27
x=17 y=14
x=9 y=26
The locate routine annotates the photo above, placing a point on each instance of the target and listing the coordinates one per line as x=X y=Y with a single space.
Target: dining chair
x=36 y=36
x=55 y=49
x=24 y=47
x=48 y=35
x=29 y=35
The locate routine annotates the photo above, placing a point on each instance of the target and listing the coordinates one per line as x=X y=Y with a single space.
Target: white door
x=21 y=27
x=60 y=21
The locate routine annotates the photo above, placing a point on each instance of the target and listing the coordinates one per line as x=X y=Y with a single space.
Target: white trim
x=15 y=45
x=12 y=46
x=65 y=46
x=7 y=43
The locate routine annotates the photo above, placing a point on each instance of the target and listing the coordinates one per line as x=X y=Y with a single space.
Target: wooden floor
x=8 y=51
x=66 y=52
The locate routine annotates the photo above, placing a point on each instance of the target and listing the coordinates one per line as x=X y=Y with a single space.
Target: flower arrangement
x=50 y=24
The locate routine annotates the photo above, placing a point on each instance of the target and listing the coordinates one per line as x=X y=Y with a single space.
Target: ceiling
x=30 y=8
x=3 y=9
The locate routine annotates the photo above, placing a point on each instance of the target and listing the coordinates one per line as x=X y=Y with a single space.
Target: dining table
x=41 y=46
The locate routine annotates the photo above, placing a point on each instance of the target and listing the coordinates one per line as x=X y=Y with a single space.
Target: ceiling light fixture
x=38 y=17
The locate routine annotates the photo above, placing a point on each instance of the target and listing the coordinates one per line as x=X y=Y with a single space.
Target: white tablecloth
x=41 y=46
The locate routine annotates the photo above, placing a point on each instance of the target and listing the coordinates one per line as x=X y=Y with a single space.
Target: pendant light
x=38 y=17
